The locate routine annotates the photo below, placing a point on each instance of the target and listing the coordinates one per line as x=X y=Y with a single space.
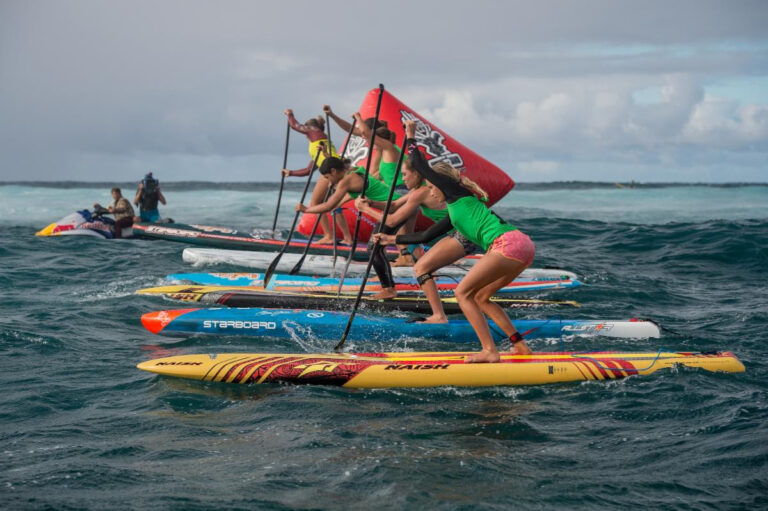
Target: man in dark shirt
x=147 y=197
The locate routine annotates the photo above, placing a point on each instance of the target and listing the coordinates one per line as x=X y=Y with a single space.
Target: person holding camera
x=147 y=197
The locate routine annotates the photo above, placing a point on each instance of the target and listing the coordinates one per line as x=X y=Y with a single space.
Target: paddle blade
x=297 y=267
x=271 y=270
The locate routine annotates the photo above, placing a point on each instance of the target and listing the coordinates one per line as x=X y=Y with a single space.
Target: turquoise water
x=81 y=428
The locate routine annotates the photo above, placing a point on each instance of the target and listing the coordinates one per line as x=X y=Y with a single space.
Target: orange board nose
x=156 y=321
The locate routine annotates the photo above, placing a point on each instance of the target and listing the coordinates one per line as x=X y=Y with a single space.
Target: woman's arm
x=437 y=229
x=365 y=206
x=392 y=207
x=341 y=122
x=450 y=188
x=339 y=196
x=294 y=124
x=300 y=172
x=405 y=212
x=382 y=144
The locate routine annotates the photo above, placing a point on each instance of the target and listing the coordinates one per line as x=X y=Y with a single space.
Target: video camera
x=150 y=184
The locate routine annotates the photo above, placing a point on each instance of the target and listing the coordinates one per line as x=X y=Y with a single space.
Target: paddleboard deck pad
x=237 y=297
x=301 y=283
x=316 y=264
x=226 y=238
x=330 y=325
x=429 y=369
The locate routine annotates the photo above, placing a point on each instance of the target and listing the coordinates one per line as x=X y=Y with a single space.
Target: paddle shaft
x=273 y=264
x=375 y=247
x=297 y=266
x=333 y=214
x=365 y=185
x=282 y=178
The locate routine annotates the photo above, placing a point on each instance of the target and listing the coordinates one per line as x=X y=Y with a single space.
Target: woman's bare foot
x=483 y=357
x=385 y=294
x=325 y=241
x=520 y=348
x=434 y=318
x=347 y=241
x=403 y=261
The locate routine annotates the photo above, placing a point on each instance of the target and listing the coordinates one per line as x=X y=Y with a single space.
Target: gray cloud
x=197 y=89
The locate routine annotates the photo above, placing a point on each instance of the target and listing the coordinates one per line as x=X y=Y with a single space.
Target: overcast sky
x=560 y=90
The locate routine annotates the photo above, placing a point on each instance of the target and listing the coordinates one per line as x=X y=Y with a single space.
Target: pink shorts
x=515 y=245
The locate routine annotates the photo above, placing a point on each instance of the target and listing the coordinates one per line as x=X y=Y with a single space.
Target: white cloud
x=723 y=123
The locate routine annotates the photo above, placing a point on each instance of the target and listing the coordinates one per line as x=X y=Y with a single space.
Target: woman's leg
x=497 y=314
x=445 y=252
x=384 y=272
x=492 y=268
x=341 y=222
x=318 y=197
x=407 y=228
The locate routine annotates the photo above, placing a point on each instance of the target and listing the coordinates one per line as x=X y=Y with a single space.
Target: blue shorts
x=151 y=215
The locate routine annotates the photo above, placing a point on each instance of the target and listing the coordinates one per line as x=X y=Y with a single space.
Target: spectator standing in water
x=147 y=197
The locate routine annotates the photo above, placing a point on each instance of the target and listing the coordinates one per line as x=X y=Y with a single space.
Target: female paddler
x=401 y=211
x=388 y=155
x=349 y=185
x=358 y=132
x=509 y=251
x=314 y=129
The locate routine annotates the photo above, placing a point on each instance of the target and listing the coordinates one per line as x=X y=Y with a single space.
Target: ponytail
x=447 y=170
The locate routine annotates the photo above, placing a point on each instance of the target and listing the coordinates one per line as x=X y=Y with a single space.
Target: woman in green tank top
x=387 y=151
x=403 y=213
x=349 y=185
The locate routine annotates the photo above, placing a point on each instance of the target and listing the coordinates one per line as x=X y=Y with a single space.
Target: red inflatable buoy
x=437 y=146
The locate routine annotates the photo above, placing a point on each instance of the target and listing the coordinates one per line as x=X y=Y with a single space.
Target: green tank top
x=476 y=222
x=434 y=214
x=387 y=171
x=376 y=190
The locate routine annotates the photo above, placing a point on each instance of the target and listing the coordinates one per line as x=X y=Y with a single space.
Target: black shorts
x=468 y=246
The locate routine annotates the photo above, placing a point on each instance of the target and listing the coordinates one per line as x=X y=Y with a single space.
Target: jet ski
x=85 y=223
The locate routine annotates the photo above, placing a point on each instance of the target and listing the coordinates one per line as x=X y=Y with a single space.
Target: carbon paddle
x=271 y=270
x=297 y=266
x=373 y=251
x=333 y=215
x=365 y=185
x=282 y=179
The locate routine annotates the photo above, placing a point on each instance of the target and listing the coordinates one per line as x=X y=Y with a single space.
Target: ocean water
x=82 y=428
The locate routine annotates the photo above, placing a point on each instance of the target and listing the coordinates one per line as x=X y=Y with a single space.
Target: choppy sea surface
x=82 y=428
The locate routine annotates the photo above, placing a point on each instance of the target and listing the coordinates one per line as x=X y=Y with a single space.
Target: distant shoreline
x=297 y=185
